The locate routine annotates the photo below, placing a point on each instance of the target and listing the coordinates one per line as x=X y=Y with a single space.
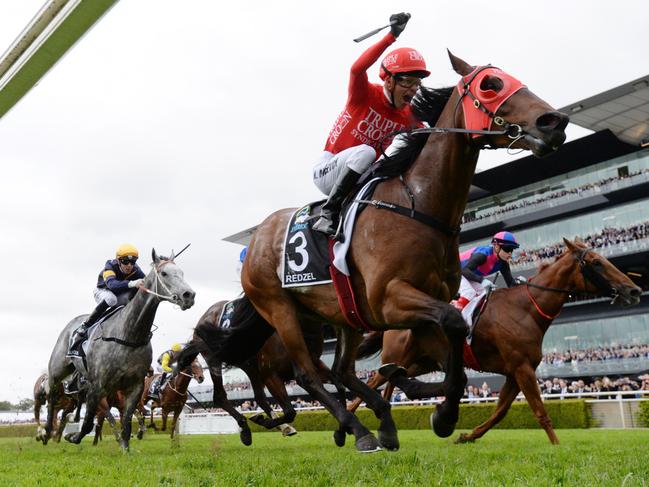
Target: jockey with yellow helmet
x=165 y=362
x=117 y=284
x=372 y=112
x=480 y=262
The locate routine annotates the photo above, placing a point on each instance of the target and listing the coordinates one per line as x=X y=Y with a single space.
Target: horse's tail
x=372 y=343
x=241 y=340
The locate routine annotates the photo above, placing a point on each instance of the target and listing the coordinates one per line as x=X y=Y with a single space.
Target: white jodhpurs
x=103 y=294
x=469 y=289
x=329 y=166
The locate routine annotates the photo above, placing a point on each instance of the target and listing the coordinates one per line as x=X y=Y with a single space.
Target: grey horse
x=119 y=352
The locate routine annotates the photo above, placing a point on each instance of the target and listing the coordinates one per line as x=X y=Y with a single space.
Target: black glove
x=402 y=20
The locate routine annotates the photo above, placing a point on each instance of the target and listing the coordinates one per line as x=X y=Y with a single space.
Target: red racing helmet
x=403 y=60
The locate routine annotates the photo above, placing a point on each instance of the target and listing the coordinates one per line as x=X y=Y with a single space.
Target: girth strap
x=125 y=343
x=415 y=215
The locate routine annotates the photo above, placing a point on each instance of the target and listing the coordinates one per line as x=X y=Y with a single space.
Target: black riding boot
x=81 y=333
x=328 y=221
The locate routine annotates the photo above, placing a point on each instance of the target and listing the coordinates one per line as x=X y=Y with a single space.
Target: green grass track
x=502 y=457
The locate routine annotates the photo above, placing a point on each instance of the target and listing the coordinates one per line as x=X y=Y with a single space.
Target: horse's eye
x=597 y=263
x=491 y=83
x=164 y=274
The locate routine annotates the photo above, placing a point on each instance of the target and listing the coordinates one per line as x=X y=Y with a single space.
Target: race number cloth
x=225 y=318
x=306 y=255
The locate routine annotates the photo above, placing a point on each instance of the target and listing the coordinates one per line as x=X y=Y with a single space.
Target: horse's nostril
x=636 y=292
x=551 y=121
x=188 y=295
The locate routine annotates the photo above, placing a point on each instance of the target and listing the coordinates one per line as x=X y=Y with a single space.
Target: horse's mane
x=427 y=106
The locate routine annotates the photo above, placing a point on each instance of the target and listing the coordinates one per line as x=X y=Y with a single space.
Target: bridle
x=182 y=372
x=588 y=273
x=158 y=282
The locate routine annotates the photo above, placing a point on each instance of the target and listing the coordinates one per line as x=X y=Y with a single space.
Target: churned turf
x=503 y=457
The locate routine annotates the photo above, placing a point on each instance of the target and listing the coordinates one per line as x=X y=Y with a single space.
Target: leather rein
x=588 y=273
x=511 y=130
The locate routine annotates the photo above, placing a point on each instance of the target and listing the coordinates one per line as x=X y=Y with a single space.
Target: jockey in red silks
x=372 y=112
x=480 y=262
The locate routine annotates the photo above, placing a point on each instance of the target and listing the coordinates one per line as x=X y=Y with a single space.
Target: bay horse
x=65 y=403
x=174 y=396
x=508 y=336
x=270 y=367
x=119 y=352
x=104 y=413
x=405 y=266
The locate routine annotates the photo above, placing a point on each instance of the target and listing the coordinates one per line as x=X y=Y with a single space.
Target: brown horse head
x=492 y=98
x=197 y=371
x=597 y=276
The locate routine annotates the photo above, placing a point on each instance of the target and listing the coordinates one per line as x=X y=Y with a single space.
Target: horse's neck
x=182 y=382
x=558 y=275
x=138 y=316
x=441 y=176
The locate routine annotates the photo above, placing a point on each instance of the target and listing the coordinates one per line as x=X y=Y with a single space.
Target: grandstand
x=596 y=188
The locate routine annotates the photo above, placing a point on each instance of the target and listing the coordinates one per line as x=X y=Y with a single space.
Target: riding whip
x=197 y=401
x=375 y=31
x=184 y=248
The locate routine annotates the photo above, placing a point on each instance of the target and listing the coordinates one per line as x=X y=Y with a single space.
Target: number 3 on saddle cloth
x=312 y=258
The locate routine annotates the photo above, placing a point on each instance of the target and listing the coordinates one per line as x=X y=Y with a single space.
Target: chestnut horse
x=65 y=403
x=509 y=334
x=174 y=396
x=405 y=267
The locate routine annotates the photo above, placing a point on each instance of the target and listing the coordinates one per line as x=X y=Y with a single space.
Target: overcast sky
x=177 y=122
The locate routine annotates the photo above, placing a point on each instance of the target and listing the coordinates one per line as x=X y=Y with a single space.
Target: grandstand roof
x=624 y=110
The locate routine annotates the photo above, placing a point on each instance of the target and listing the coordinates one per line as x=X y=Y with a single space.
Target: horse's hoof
x=368 y=444
x=339 y=437
x=391 y=371
x=288 y=430
x=440 y=427
x=463 y=438
x=389 y=441
x=72 y=438
x=246 y=437
x=140 y=435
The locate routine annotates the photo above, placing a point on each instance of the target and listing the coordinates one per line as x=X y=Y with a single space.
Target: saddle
x=80 y=362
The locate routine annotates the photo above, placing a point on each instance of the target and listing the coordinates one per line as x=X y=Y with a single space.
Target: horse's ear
x=571 y=246
x=460 y=66
x=154 y=256
x=173 y=255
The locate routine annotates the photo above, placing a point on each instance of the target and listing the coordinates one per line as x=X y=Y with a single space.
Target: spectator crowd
x=529 y=202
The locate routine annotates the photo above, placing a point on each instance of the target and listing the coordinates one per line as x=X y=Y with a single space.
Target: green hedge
x=29 y=429
x=564 y=414
x=643 y=413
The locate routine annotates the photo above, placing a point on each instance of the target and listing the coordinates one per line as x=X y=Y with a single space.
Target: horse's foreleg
x=99 y=426
x=506 y=397
x=376 y=381
x=51 y=413
x=92 y=402
x=406 y=304
x=141 y=428
x=131 y=398
x=113 y=424
x=220 y=400
x=526 y=379
x=64 y=421
x=278 y=391
x=288 y=328
x=343 y=369
x=40 y=431
x=177 y=410
x=165 y=414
